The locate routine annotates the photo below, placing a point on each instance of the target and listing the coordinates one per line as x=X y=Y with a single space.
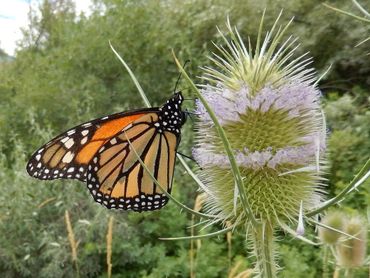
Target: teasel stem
x=325 y=270
x=348 y=273
x=336 y=272
x=263 y=236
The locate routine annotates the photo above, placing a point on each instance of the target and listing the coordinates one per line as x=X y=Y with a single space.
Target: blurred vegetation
x=64 y=73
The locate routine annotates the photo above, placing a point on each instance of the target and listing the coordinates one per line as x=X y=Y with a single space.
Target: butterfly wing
x=98 y=152
x=115 y=176
x=69 y=154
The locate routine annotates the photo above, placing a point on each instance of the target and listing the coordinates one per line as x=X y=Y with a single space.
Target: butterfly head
x=172 y=117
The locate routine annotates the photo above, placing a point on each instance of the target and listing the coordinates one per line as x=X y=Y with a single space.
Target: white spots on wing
x=38 y=157
x=95 y=159
x=113 y=141
x=70 y=170
x=40 y=150
x=39 y=165
x=85 y=132
x=71 y=132
x=46 y=171
x=87 y=125
x=164 y=123
x=65 y=139
x=139 y=203
x=84 y=140
x=69 y=143
x=157 y=124
x=81 y=169
x=67 y=158
x=104 y=118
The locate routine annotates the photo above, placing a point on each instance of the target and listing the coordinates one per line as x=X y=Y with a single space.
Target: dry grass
x=109 y=246
x=72 y=241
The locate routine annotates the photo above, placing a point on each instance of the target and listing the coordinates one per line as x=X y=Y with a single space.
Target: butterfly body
x=99 y=153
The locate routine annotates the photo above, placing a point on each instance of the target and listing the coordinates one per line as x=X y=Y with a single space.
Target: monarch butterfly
x=99 y=153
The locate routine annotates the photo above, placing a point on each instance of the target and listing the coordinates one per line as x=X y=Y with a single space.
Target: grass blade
x=178 y=203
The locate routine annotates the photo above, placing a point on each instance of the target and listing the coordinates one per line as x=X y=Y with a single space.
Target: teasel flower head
x=266 y=101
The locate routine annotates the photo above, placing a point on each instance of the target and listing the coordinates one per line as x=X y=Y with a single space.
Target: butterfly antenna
x=178 y=79
x=188 y=157
x=191 y=158
x=190 y=114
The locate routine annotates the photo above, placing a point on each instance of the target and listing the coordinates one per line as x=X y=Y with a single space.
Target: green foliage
x=65 y=73
x=348 y=119
x=298 y=260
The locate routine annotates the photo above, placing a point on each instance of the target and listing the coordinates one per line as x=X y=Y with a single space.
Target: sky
x=13 y=16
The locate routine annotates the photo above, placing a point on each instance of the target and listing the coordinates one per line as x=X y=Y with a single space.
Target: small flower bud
x=334 y=219
x=352 y=251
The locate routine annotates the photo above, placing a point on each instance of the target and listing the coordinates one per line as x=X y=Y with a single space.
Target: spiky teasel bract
x=267 y=104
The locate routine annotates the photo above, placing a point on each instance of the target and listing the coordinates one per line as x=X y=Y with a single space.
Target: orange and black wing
x=69 y=154
x=115 y=177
